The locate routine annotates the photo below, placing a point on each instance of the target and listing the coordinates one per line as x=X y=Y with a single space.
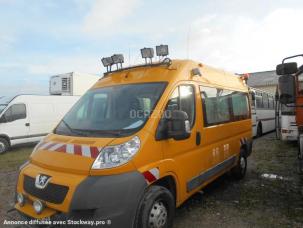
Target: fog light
x=20 y=199
x=38 y=206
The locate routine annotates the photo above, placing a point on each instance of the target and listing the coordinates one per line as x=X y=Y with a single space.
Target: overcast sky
x=43 y=38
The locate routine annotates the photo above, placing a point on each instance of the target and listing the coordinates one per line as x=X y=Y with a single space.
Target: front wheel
x=157 y=208
x=4 y=145
x=239 y=170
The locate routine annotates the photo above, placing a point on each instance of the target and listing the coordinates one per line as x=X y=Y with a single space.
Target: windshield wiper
x=72 y=130
x=110 y=132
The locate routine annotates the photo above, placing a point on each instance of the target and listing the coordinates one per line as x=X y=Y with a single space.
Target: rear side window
x=240 y=106
x=271 y=104
x=183 y=98
x=221 y=106
x=265 y=100
x=259 y=102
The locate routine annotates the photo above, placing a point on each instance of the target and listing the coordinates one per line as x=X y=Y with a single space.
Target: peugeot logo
x=42 y=181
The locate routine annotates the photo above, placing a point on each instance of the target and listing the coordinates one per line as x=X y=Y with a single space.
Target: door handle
x=198 y=138
x=27 y=124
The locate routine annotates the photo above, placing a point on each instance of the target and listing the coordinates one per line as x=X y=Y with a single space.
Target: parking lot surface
x=270 y=195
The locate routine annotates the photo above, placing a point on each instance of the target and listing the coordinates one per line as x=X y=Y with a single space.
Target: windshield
x=4 y=101
x=112 y=111
x=2 y=107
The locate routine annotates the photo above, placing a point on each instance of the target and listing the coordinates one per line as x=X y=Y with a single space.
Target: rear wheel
x=157 y=208
x=4 y=145
x=239 y=170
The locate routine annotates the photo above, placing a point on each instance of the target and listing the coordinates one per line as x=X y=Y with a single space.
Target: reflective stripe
x=86 y=151
x=55 y=147
x=70 y=148
x=45 y=145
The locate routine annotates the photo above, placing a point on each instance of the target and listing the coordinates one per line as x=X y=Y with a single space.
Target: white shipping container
x=72 y=84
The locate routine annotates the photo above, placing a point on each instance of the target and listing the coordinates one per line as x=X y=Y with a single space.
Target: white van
x=27 y=118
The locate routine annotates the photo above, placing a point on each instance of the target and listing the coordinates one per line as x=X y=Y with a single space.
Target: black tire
x=154 y=200
x=259 y=130
x=4 y=146
x=239 y=170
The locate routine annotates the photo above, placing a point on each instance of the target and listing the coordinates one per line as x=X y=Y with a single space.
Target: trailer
x=71 y=84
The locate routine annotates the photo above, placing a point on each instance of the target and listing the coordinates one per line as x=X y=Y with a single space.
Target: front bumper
x=111 y=199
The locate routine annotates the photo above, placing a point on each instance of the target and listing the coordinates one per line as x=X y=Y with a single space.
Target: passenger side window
x=221 y=106
x=15 y=112
x=187 y=102
x=215 y=105
x=265 y=101
x=259 y=102
x=240 y=106
x=271 y=103
x=183 y=98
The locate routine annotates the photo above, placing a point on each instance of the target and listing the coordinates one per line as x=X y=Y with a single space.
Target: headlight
x=20 y=199
x=113 y=156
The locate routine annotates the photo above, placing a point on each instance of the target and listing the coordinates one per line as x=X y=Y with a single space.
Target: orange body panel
x=299 y=110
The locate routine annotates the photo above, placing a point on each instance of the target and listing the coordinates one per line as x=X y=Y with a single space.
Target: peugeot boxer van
x=138 y=144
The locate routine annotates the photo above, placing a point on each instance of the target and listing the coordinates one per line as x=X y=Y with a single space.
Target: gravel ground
x=253 y=202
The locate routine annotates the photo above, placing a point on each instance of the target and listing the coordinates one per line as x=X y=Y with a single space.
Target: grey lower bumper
x=113 y=199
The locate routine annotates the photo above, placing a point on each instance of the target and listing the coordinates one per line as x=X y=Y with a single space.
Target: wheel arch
x=6 y=137
x=246 y=148
x=169 y=181
x=260 y=124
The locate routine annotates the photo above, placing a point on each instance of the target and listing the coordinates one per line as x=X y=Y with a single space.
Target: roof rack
x=146 y=53
x=165 y=62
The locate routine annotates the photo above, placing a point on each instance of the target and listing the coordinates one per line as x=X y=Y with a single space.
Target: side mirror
x=178 y=125
x=287 y=87
x=287 y=68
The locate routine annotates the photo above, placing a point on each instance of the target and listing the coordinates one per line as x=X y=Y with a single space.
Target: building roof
x=263 y=78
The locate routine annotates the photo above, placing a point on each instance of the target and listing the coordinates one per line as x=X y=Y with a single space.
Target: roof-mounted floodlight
x=162 y=50
x=147 y=53
x=107 y=62
x=118 y=59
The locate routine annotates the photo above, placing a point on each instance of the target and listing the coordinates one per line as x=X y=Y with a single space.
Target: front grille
x=52 y=193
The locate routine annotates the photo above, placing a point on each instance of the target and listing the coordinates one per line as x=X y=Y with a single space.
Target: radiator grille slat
x=52 y=193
